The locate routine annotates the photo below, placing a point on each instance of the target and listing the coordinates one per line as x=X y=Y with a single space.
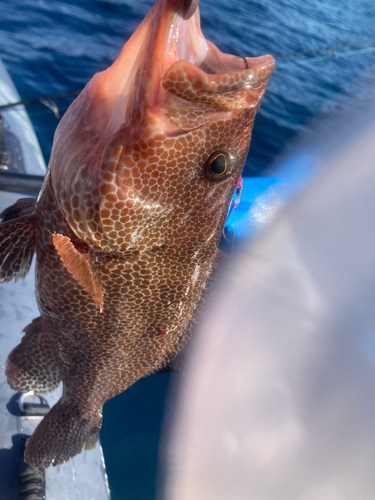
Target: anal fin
x=79 y=265
x=33 y=364
x=17 y=245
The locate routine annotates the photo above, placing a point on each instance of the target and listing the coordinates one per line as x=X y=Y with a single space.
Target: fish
x=126 y=228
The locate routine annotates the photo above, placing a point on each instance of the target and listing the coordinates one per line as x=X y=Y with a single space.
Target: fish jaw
x=128 y=163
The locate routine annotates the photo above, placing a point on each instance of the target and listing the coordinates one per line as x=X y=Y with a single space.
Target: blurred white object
x=279 y=399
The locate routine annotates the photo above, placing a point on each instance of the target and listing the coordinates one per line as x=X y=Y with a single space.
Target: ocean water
x=52 y=47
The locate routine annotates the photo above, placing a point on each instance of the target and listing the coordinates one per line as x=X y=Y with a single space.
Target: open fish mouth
x=168 y=54
x=175 y=57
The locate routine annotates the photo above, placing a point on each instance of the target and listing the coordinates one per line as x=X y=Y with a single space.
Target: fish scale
x=126 y=228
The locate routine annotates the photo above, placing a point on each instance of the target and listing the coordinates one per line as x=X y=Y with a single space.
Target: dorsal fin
x=79 y=265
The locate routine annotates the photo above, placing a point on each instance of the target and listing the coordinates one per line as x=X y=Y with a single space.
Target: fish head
x=151 y=151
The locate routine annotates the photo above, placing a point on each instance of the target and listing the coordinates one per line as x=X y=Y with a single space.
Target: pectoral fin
x=79 y=265
x=17 y=240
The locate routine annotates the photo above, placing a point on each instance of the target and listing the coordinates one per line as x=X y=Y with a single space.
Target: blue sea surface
x=55 y=46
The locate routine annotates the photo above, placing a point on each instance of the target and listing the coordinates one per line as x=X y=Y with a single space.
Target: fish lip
x=253 y=67
x=191 y=83
x=256 y=70
x=217 y=62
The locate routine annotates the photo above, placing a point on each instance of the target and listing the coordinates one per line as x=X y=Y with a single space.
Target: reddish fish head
x=151 y=151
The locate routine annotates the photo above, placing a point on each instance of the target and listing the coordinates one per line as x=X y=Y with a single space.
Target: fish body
x=126 y=228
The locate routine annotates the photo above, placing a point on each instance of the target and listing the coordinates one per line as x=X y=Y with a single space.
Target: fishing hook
x=188 y=8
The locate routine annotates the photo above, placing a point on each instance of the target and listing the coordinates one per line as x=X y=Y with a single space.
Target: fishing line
x=323 y=58
x=332 y=48
x=46 y=111
x=49 y=100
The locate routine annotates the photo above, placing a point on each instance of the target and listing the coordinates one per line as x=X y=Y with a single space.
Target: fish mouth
x=167 y=47
x=174 y=55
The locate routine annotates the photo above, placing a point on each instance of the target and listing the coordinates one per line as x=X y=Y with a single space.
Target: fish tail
x=17 y=239
x=33 y=364
x=63 y=433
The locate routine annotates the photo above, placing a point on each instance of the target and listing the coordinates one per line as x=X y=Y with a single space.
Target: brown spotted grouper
x=126 y=228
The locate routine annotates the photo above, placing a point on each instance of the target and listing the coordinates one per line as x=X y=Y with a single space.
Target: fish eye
x=220 y=165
